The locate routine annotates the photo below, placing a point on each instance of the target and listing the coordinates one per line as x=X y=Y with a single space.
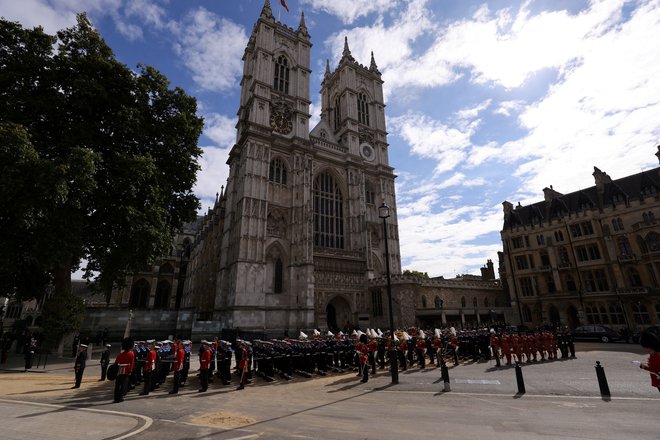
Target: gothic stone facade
x=587 y=257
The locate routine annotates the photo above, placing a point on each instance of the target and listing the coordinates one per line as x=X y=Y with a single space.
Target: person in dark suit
x=105 y=361
x=79 y=366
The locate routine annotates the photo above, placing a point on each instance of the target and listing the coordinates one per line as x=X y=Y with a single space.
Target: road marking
x=546 y=396
x=478 y=381
x=244 y=437
x=148 y=421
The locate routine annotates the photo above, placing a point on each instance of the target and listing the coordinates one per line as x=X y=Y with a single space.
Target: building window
x=634 y=278
x=337 y=113
x=526 y=286
x=653 y=241
x=550 y=282
x=617 y=224
x=277 y=171
x=486 y=302
x=616 y=314
x=281 y=80
x=140 y=294
x=588 y=252
x=377 y=303
x=463 y=302
x=363 y=109
x=278 y=277
x=423 y=302
x=545 y=259
x=527 y=313
x=563 y=256
x=438 y=303
x=369 y=194
x=593 y=317
x=522 y=262
x=162 y=300
x=596 y=281
x=475 y=304
x=559 y=236
x=540 y=240
x=570 y=283
x=328 y=213
x=624 y=247
x=517 y=242
x=640 y=314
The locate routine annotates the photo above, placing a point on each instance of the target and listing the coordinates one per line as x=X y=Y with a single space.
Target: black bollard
x=519 y=379
x=602 y=380
x=445 y=375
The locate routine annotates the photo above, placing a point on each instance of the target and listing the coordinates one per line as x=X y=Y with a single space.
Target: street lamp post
x=384 y=213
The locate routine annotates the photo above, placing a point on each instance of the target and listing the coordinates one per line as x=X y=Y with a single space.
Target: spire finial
x=266 y=11
x=302 y=27
x=347 y=52
x=373 y=67
x=327 y=71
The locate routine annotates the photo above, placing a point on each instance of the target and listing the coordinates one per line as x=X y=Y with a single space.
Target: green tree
x=61 y=317
x=108 y=159
x=416 y=273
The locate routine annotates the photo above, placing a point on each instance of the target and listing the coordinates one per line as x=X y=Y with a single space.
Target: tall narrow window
x=337 y=113
x=328 y=213
x=281 y=80
x=377 y=303
x=369 y=194
x=279 y=277
x=277 y=171
x=363 y=109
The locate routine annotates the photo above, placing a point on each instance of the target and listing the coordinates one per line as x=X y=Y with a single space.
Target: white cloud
x=507 y=108
x=220 y=129
x=212 y=47
x=350 y=10
x=213 y=174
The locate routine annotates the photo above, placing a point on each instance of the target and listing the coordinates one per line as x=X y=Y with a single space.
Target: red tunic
x=149 y=361
x=126 y=361
x=178 y=360
x=654 y=367
x=373 y=346
x=363 y=349
x=205 y=361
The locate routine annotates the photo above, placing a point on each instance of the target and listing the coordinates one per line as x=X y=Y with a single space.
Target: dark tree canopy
x=97 y=162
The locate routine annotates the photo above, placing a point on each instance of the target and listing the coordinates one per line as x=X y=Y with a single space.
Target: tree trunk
x=62 y=279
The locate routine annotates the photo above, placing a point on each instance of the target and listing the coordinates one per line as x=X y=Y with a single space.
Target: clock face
x=280 y=121
x=367 y=152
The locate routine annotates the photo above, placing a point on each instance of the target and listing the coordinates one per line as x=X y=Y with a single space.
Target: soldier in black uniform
x=79 y=366
x=105 y=361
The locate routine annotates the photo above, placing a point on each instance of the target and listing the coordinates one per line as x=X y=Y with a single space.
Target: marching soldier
x=495 y=346
x=177 y=366
x=105 y=361
x=242 y=354
x=148 y=368
x=363 y=351
x=204 y=367
x=420 y=348
x=126 y=361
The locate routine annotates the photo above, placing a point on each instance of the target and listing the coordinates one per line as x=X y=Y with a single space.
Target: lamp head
x=383 y=211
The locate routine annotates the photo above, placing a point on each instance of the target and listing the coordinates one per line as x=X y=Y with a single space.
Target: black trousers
x=121 y=385
x=204 y=379
x=176 y=381
x=79 y=375
x=365 y=372
x=147 y=382
x=104 y=371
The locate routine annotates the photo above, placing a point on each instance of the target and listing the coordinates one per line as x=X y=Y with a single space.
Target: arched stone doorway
x=572 y=317
x=553 y=315
x=338 y=312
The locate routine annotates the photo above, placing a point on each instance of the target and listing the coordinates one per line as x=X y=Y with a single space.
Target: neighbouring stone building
x=587 y=257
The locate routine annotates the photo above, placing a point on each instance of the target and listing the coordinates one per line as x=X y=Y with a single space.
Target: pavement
x=562 y=400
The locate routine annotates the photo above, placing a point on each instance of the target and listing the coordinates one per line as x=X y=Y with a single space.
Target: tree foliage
x=97 y=162
x=63 y=316
x=416 y=273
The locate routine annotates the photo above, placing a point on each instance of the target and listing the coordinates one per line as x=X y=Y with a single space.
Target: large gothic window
x=140 y=294
x=328 y=213
x=277 y=171
x=281 y=80
x=337 y=113
x=162 y=300
x=278 y=282
x=363 y=109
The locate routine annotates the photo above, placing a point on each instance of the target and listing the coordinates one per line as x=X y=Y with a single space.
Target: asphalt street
x=562 y=401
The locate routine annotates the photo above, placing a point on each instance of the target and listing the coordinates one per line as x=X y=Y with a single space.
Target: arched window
x=162 y=300
x=486 y=304
x=438 y=303
x=363 y=109
x=278 y=282
x=281 y=80
x=563 y=255
x=653 y=241
x=328 y=213
x=140 y=293
x=634 y=278
x=624 y=247
x=463 y=302
x=423 y=302
x=337 y=113
x=527 y=313
x=277 y=171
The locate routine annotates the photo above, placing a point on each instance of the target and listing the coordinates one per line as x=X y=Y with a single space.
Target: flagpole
x=279 y=12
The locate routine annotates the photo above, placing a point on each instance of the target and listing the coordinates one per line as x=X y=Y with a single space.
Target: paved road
x=562 y=401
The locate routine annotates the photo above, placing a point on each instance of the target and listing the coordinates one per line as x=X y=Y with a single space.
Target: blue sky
x=486 y=100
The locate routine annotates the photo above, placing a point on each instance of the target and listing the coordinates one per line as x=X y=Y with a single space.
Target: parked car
x=653 y=329
x=595 y=333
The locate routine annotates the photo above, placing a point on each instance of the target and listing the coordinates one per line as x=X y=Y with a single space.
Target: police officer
x=79 y=366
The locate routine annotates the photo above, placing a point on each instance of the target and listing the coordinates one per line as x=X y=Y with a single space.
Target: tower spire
x=347 y=52
x=373 y=67
x=266 y=11
x=302 y=27
x=327 y=72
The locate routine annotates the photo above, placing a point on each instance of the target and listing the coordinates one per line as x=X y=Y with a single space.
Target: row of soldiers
x=154 y=361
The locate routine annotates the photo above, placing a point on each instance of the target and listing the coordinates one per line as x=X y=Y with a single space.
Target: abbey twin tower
x=295 y=239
